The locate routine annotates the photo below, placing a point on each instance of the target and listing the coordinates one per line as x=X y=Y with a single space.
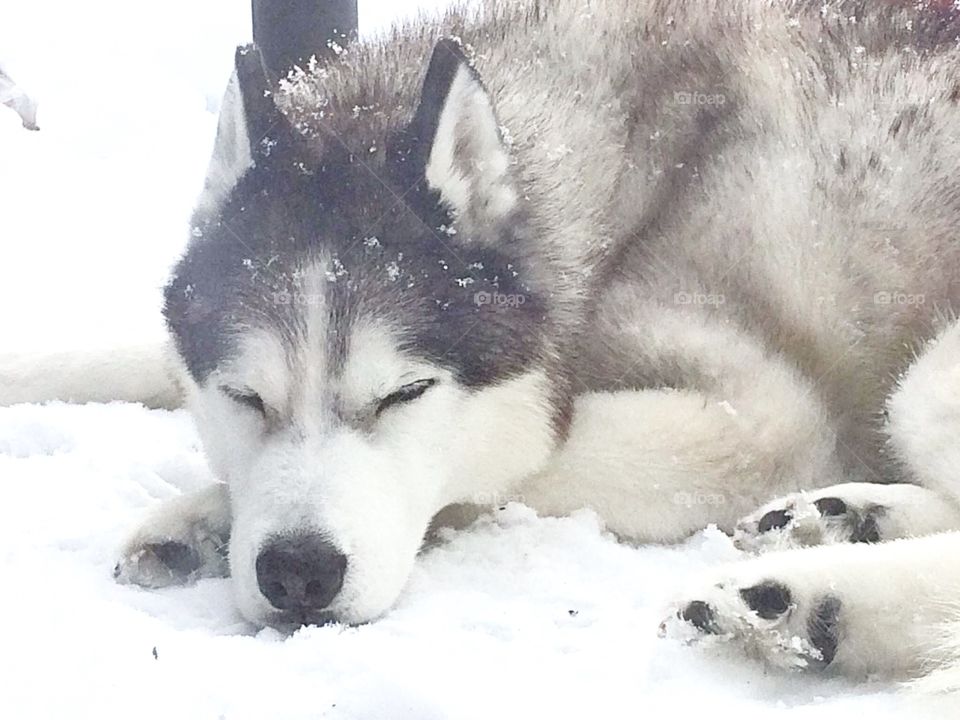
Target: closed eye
x=245 y=397
x=409 y=392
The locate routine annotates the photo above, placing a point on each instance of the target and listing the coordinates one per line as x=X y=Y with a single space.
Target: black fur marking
x=823 y=628
x=774 y=520
x=831 y=507
x=242 y=271
x=769 y=600
x=446 y=61
x=863 y=525
x=468 y=307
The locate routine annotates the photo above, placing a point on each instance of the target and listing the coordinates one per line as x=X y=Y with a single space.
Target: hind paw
x=848 y=513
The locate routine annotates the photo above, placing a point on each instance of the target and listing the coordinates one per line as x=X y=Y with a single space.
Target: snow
x=516 y=616
x=513 y=617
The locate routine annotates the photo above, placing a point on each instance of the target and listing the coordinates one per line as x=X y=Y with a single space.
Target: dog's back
x=814 y=208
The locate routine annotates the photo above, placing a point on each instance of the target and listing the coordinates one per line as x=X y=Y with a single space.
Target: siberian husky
x=672 y=260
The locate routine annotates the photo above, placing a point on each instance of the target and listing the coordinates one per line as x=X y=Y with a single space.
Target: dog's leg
x=184 y=539
x=742 y=427
x=851 y=512
x=857 y=610
x=658 y=465
x=924 y=427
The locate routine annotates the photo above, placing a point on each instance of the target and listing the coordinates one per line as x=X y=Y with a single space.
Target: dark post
x=288 y=32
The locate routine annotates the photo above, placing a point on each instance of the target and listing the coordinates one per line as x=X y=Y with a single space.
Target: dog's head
x=368 y=340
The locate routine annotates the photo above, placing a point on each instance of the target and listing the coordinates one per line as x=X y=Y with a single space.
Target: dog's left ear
x=464 y=157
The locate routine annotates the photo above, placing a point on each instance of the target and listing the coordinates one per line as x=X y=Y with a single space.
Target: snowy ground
x=514 y=617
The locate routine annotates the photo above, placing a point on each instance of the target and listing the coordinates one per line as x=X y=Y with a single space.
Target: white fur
x=369 y=485
x=17 y=100
x=233 y=155
x=469 y=165
x=925 y=415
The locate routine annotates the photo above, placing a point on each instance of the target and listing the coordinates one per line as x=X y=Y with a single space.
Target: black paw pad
x=823 y=628
x=862 y=524
x=831 y=507
x=865 y=528
x=179 y=558
x=774 y=520
x=701 y=616
x=769 y=600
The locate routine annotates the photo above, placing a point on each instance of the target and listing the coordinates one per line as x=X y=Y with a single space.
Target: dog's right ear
x=249 y=121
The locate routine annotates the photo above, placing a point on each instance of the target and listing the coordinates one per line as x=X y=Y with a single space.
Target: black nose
x=300 y=572
x=700 y=615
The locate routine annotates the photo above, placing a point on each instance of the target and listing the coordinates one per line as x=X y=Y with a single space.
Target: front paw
x=164 y=562
x=835 y=515
x=183 y=539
